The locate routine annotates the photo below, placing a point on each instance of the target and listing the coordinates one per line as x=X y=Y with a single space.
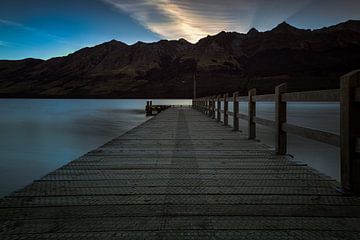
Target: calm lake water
x=323 y=116
x=38 y=136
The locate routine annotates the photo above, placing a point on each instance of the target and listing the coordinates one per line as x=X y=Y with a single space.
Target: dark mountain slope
x=225 y=62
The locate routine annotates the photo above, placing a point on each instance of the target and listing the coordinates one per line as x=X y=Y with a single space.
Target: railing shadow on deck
x=349 y=139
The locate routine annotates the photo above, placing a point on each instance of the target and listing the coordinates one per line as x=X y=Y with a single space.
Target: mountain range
x=226 y=62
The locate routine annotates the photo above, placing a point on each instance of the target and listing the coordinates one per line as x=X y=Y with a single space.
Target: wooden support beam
x=252 y=114
x=349 y=131
x=235 y=111
x=218 y=115
x=280 y=118
x=226 y=108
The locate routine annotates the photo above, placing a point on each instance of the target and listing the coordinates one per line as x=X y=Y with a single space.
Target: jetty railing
x=349 y=139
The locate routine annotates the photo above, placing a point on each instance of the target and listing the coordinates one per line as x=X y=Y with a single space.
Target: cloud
x=189 y=19
x=36 y=31
x=194 y=19
x=3 y=44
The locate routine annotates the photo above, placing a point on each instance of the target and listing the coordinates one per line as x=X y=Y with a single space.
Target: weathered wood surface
x=181 y=175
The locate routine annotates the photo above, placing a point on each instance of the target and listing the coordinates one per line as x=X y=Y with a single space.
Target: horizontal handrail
x=331 y=95
x=264 y=98
x=242 y=99
x=314 y=134
x=243 y=116
x=265 y=122
x=349 y=139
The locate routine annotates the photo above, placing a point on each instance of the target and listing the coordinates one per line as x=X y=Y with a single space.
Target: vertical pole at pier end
x=350 y=131
x=218 y=110
x=235 y=111
x=226 y=110
x=252 y=114
x=280 y=118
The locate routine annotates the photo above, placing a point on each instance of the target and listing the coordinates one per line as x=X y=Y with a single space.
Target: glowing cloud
x=189 y=19
x=194 y=19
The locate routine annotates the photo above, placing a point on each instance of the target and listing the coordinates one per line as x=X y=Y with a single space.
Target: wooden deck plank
x=184 y=176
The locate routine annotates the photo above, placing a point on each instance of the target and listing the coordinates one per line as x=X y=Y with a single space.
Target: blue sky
x=50 y=28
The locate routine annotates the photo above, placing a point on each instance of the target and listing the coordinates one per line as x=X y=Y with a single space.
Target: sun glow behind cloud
x=192 y=20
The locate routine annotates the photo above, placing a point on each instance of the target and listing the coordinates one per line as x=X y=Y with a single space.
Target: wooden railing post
x=218 y=114
x=350 y=131
x=226 y=108
x=280 y=118
x=210 y=106
x=213 y=106
x=235 y=111
x=202 y=105
x=252 y=114
x=206 y=106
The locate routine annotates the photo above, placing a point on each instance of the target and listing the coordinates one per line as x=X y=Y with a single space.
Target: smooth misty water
x=323 y=116
x=38 y=136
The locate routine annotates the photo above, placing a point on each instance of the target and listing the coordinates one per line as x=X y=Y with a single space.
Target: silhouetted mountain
x=226 y=62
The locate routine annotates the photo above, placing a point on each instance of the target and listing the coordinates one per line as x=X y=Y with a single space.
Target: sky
x=50 y=28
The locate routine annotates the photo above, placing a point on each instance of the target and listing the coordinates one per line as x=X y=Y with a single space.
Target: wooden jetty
x=183 y=175
x=152 y=110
